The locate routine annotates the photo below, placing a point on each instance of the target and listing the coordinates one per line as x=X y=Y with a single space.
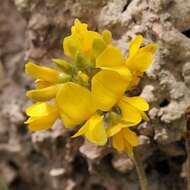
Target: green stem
x=3 y=185
x=187 y=142
x=140 y=171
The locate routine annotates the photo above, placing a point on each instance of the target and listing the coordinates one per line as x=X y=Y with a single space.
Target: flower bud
x=107 y=36
x=63 y=65
x=98 y=46
x=63 y=77
x=114 y=118
x=83 y=63
x=82 y=78
x=69 y=46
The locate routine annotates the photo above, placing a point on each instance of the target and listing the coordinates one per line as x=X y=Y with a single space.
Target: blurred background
x=34 y=30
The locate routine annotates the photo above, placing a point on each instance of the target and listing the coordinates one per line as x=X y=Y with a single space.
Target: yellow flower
x=123 y=139
x=76 y=106
x=44 y=73
x=41 y=116
x=80 y=39
x=47 y=82
x=94 y=130
x=73 y=99
x=139 y=59
x=74 y=103
x=112 y=59
x=43 y=94
x=133 y=109
x=90 y=92
x=108 y=88
x=39 y=83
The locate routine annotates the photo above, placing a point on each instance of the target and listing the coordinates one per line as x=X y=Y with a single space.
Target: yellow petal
x=134 y=81
x=78 y=27
x=81 y=131
x=96 y=132
x=129 y=149
x=39 y=126
x=118 y=142
x=122 y=70
x=69 y=46
x=125 y=140
x=67 y=121
x=38 y=109
x=42 y=116
x=98 y=46
x=138 y=102
x=144 y=116
x=107 y=36
x=75 y=102
x=41 y=72
x=135 y=45
x=43 y=94
x=150 y=49
x=142 y=60
x=129 y=112
x=86 y=40
x=39 y=83
x=112 y=130
x=110 y=57
x=130 y=140
x=81 y=39
x=115 y=119
x=42 y=123
x=107 y=88
x=130 y=137
x=145 y=57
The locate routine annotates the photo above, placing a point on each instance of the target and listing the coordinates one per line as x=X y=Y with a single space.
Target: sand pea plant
x=91 y=90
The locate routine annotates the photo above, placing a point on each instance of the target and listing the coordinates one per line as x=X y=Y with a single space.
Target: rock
x=91 y=151
x=56 y=172
x=122 y=163
x=8 y=174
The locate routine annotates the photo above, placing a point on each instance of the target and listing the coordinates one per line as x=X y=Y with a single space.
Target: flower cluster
x=91 y=89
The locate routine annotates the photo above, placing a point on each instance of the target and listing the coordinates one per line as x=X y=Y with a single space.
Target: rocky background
x=34 y=29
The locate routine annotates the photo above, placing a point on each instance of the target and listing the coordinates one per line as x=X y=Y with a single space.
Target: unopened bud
x=82 y=78
x=82 y=62
x=98 y=46
x=63 y=77
x=70 y=47
x=107 y=36
x=63 y=65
